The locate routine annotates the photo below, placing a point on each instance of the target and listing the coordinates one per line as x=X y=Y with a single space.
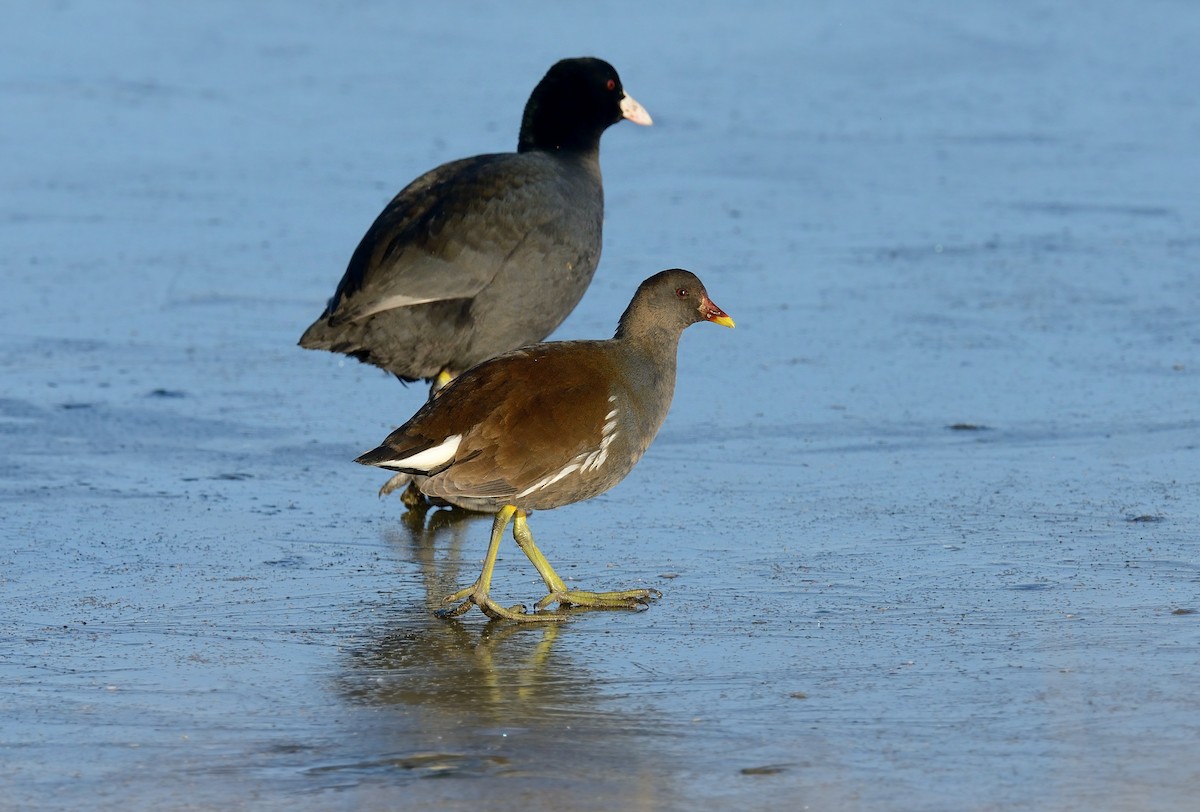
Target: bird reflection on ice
x=492 y=699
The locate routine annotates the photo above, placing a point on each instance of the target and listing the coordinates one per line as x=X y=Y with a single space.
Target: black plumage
x=489 y=253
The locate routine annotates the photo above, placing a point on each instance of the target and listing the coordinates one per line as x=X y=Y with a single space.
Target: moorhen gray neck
x=548 y=425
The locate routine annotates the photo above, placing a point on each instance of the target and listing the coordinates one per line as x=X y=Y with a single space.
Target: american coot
x=548 y=425
x=485 y=254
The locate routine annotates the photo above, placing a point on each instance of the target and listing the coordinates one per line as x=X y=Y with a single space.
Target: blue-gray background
x=920 y=214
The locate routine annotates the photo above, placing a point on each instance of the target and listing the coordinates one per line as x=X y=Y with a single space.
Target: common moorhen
x=485 y=254
x=548 y=425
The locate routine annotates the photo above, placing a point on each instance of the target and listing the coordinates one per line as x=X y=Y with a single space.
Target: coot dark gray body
x=485 y=254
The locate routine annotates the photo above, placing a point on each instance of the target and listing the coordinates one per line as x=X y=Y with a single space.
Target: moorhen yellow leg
x=477 y=593
x=624 y=599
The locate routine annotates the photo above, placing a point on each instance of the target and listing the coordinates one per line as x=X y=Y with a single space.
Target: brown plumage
x=551 y=424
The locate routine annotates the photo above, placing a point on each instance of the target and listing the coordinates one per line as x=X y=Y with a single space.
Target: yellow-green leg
x=624 y=599
x=439 y=383
x=411 y=497
x=477 y=593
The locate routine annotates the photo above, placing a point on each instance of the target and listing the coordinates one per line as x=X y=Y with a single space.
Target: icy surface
x=925 y=522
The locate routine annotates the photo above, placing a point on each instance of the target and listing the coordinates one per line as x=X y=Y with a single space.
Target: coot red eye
x=682 y=293
x=611 y=84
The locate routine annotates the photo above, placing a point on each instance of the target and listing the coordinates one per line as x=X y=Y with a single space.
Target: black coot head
x=576 y=101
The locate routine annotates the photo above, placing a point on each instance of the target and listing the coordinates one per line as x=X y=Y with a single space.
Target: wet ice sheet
x=919 y=219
